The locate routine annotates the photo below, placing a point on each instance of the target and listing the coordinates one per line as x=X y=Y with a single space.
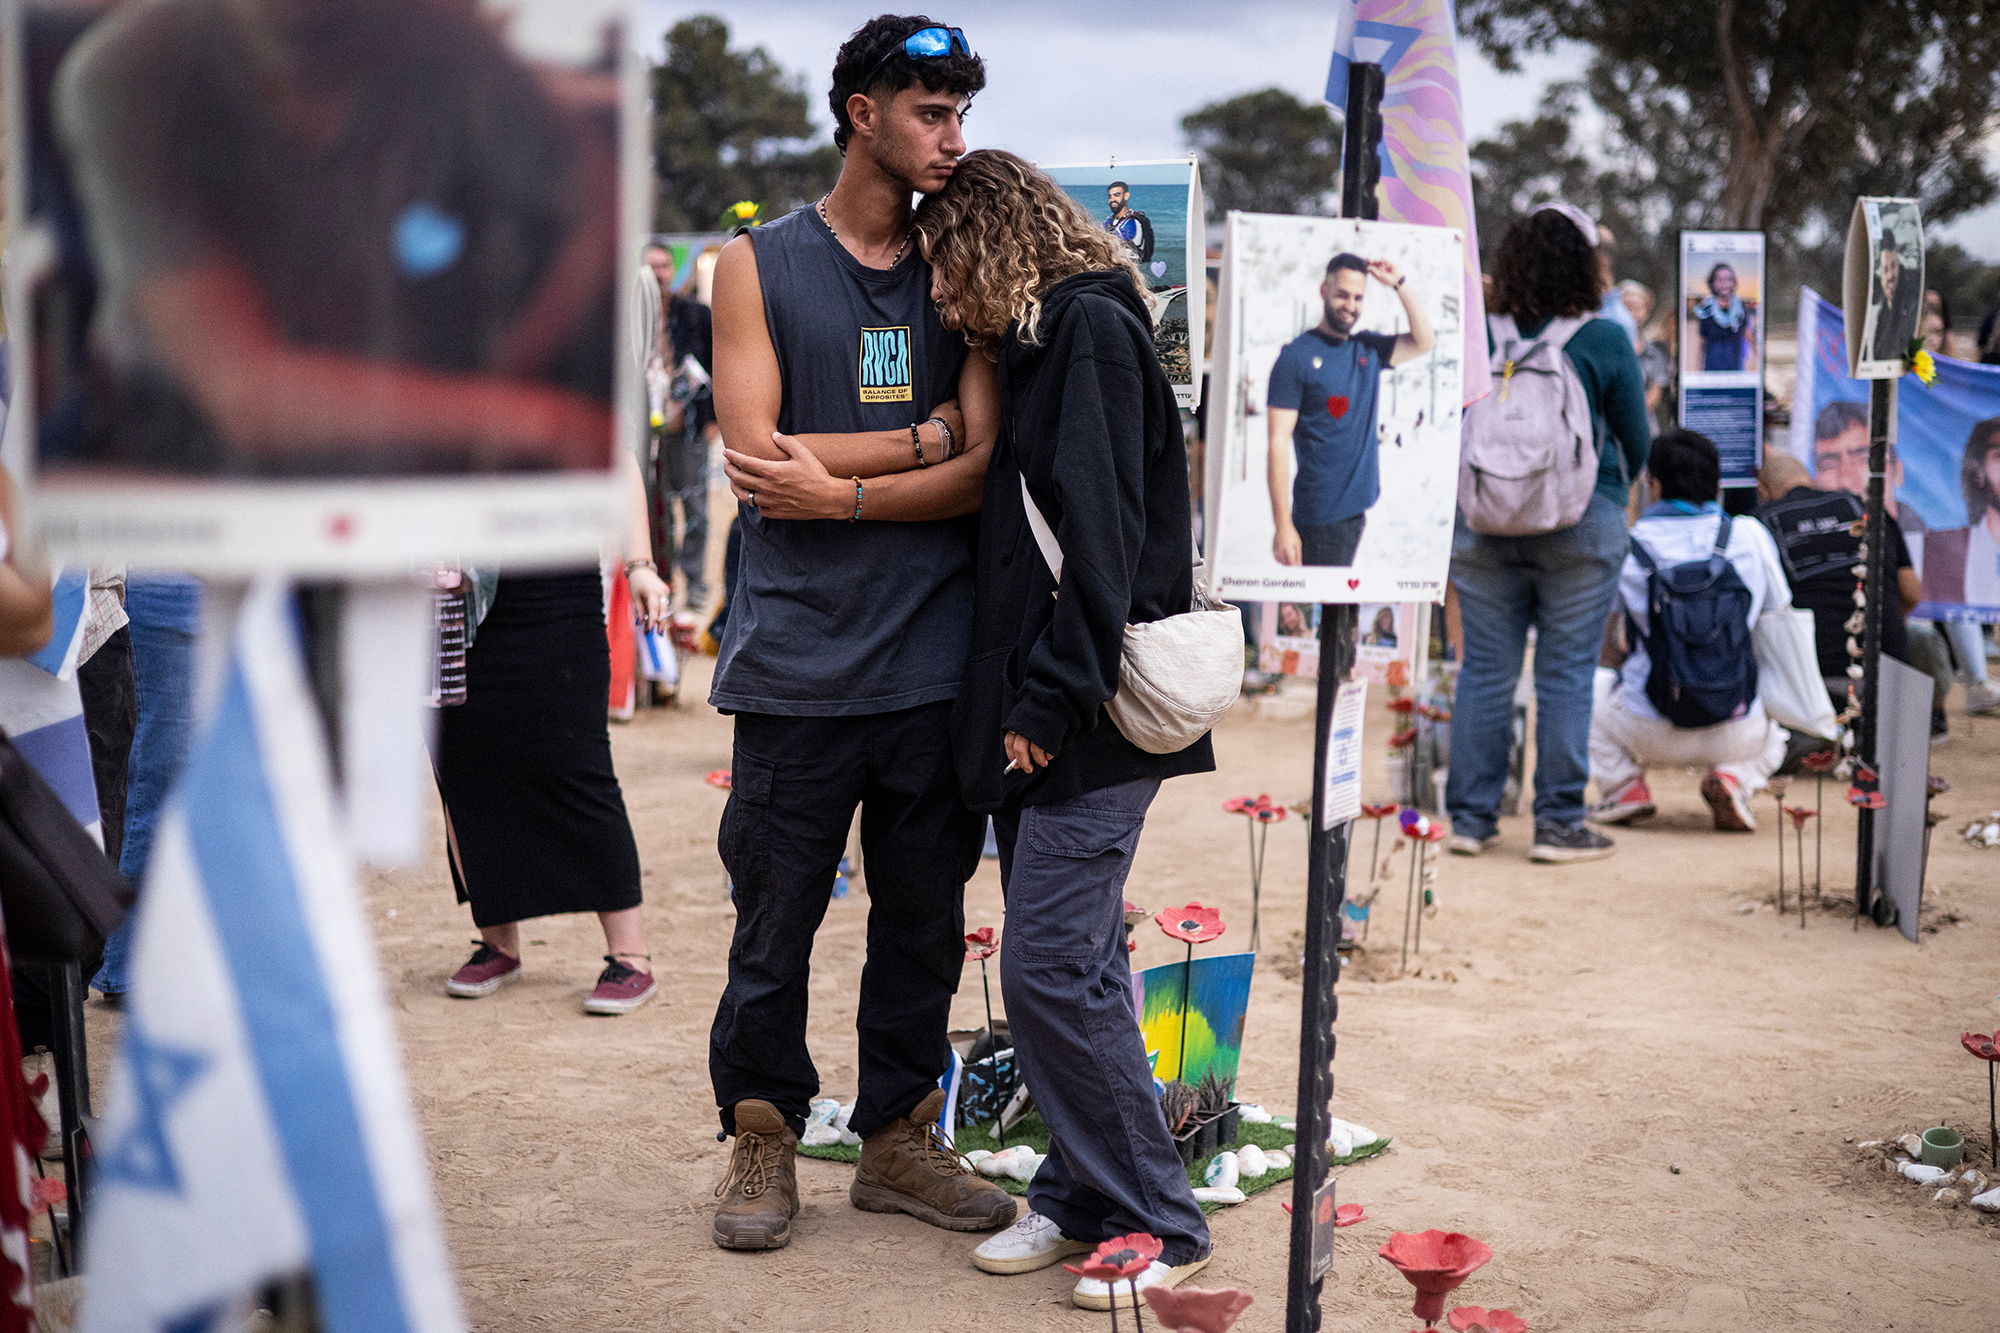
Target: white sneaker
x=1031 y=1243
x=1981 y=698
x=1460 y=844
x=1093 y=1294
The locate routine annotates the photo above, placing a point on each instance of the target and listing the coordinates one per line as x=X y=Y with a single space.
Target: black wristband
x=917 y=443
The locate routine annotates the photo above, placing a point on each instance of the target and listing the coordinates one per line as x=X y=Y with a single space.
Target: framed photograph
x=1155 y=209
x=1722 y=346
x=1333 y=458
x=1288 y=638
x=1882 y=291
x=330 y=287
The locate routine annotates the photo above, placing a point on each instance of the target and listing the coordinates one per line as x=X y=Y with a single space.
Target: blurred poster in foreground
x=1722 y=346
x=323 y=286
x=1155 y=209
x=1943 y=474
x=1336 y=383
x=1882 y=285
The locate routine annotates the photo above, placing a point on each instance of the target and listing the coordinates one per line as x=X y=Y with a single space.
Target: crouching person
x=1693 y=585
x=1088 y=429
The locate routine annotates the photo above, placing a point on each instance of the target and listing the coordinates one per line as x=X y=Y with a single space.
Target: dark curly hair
x=862 y=56
x=1979 y=496
x=1544 y=269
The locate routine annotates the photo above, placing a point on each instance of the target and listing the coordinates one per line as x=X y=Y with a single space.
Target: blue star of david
x=161 y=1075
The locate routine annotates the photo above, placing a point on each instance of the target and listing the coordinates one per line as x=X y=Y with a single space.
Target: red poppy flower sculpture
x=1192 y=1310
x=1435 y=1263
x=1262 y=812
x=1122 y=1258
x=1404 y=705
x=1408 y=736
x=720 y=777
x=980 y=946
x=1192 y=925
x=1821 y=761
x=1378 y=813
x=1349 y=1214
x=1988 y=1049
x=1476 y=1319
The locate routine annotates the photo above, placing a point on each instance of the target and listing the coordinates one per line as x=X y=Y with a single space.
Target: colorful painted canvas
x=1221 y=985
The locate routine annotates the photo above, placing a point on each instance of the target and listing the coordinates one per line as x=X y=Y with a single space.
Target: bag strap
x=1052 y=554
x=1044 y=538
x=1644 y=557
x=1721 y=539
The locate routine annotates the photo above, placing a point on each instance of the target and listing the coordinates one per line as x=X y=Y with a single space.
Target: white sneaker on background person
x=1032 y=1243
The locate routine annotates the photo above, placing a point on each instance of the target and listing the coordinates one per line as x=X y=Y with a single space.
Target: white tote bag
x=1788 y=676
x=1176 y=677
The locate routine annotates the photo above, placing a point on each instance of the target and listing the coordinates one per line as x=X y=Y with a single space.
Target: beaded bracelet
x=857 y=501
x=917 y=444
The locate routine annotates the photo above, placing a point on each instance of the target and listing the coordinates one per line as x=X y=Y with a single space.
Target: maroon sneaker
x=620 y=989
x=483 y=973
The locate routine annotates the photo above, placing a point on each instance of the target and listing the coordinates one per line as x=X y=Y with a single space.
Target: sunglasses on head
x=924 y=44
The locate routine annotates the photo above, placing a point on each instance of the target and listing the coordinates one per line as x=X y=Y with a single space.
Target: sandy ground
x=1566 y=1035
x=1570 y=1033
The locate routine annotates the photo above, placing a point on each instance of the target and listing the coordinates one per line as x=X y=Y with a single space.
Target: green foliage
x=730 y=125
x=1770 y=114
x=1265 y=152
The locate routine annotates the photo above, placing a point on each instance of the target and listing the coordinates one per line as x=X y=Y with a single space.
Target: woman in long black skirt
x=534 y=820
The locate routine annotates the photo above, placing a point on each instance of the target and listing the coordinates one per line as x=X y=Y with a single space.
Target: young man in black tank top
x=856 y=434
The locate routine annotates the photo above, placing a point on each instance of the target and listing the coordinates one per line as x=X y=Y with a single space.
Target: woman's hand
x=796 y=486
x=1023 y=753
x=651 y=597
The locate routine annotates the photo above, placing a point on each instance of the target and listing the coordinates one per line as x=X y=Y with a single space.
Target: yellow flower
x=1923 y=367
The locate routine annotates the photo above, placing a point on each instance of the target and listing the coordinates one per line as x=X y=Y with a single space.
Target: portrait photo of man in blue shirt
x=1321 y=406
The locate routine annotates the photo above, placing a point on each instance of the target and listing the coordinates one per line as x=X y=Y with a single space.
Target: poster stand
x=1312 y=1224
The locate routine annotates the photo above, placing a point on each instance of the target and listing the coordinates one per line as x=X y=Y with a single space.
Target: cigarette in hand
x=1011 y=766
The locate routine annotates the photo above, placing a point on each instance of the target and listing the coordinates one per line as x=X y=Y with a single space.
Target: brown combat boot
x=907 y=1167
x=760 y=1195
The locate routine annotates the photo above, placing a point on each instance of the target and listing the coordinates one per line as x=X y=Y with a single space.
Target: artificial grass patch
x=1034 y=1133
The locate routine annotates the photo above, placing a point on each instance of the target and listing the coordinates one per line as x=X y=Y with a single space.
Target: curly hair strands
x=1544 y=269
x=872 y=60
x=998 y=236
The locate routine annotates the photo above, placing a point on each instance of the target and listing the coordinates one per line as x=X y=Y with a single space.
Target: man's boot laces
x=751 y=1164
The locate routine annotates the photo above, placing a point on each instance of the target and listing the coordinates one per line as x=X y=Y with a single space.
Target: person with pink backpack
x=1546 y=462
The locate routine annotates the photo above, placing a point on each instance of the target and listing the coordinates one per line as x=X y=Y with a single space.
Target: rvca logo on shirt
x=885 y=365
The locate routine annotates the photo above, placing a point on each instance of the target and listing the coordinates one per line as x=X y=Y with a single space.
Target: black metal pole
x=1879 y=394
x=1326 y=860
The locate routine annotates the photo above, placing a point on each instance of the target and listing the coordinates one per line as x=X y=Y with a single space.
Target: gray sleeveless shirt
x=832 y=618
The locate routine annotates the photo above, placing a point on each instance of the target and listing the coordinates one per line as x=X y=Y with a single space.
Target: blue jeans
x=1112 y=1168
x=1562 y=583
x=164 y=610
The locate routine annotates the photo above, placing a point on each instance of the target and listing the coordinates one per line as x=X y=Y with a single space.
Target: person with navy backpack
x=1693 y=586
x=1547 y=458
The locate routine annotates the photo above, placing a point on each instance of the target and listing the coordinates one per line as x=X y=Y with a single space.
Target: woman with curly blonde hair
x=1090 y=437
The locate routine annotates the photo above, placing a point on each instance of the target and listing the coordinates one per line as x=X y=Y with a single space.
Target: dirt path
x=1573 y=1031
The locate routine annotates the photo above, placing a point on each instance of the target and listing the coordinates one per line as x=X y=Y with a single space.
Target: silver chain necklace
x=900 y=250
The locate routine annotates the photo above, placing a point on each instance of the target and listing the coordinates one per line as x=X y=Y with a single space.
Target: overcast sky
x=1077 y=80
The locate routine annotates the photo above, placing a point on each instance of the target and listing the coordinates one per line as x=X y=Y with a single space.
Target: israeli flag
x=260 y=1123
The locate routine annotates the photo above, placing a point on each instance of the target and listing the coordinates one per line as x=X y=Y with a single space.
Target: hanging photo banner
x=327 y=289
x=1882 y=287
x=1288 y=638
x=1722 y=346
x=1336 y=375
x=1942 y=483
x=1155 y=209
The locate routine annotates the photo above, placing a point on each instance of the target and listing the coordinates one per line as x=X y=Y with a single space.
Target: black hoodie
x=1089 y=418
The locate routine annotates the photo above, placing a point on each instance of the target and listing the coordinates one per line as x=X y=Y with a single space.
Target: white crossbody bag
x=1176 y=677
